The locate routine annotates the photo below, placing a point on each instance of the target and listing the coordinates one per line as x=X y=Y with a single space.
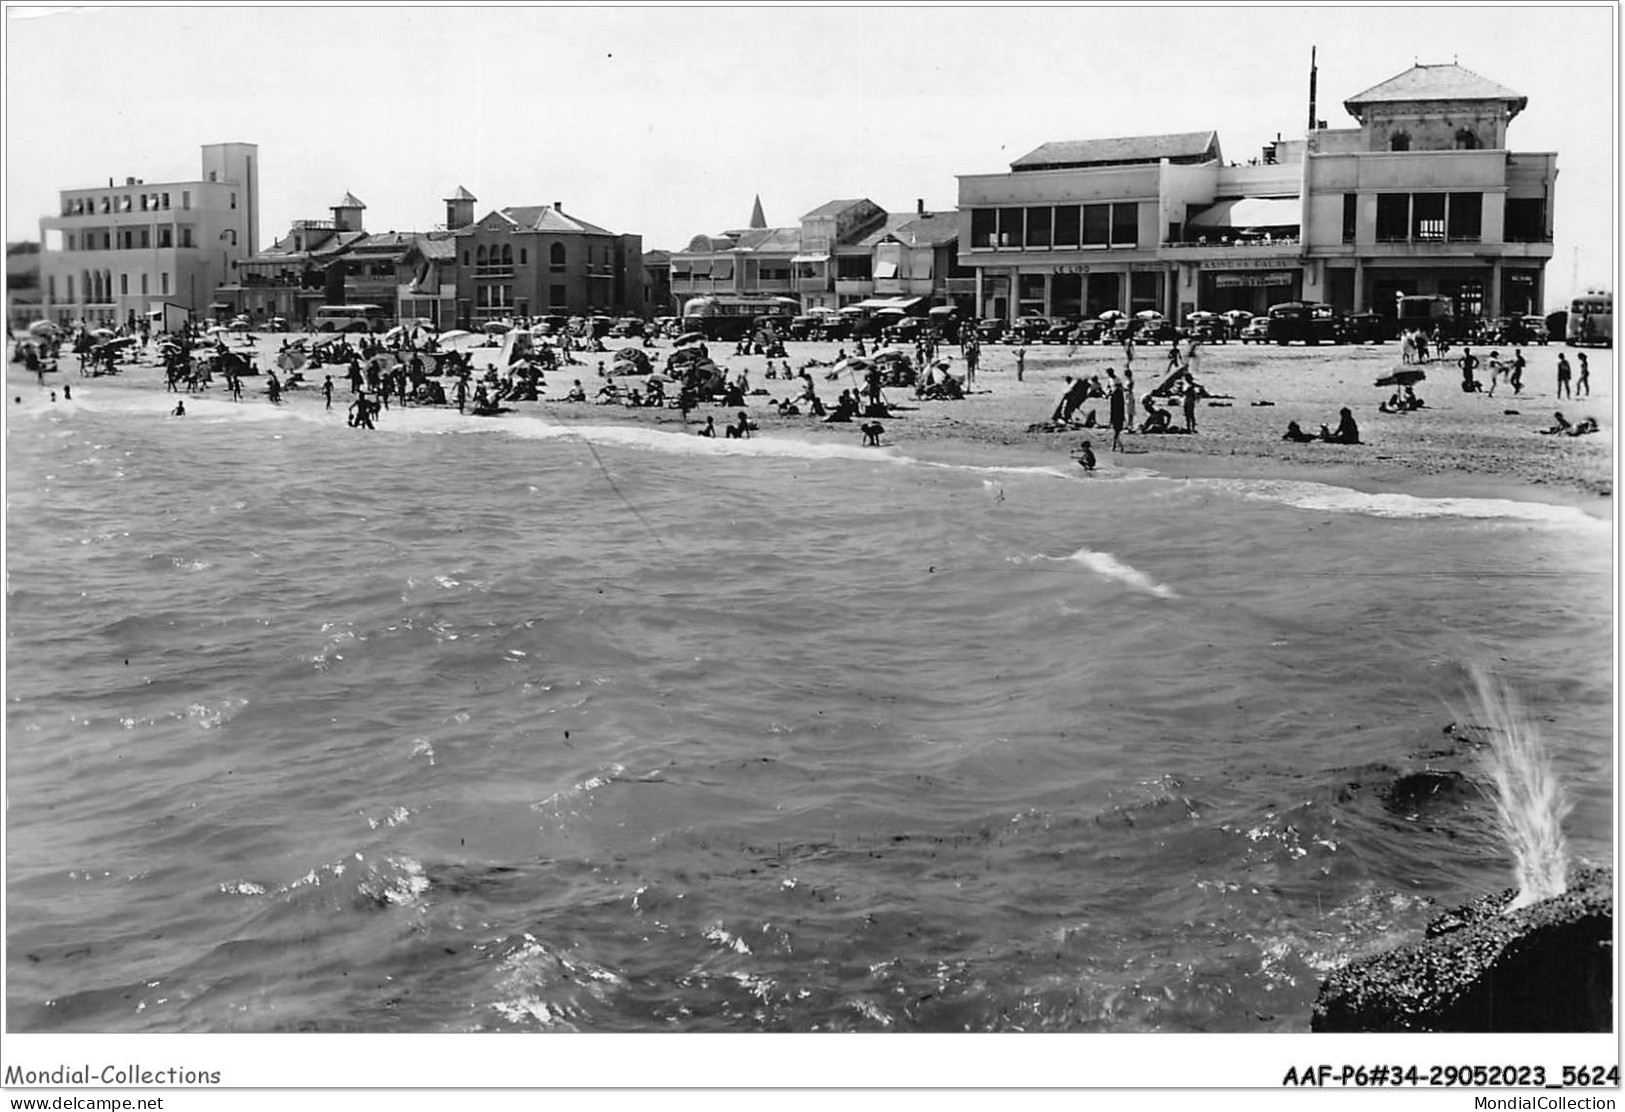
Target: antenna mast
x=1311 y=88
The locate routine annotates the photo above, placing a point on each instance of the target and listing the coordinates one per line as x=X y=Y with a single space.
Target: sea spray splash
x=1529 y=802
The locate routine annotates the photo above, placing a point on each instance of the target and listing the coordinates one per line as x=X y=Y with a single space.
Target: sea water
x=468 y=725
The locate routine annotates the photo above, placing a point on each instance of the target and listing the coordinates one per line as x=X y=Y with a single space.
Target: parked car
x=1028 y=330
x=989 y=330
x=627 y=327
x=834 y=327
x=905 y=331
x=1535 y=330
x=804 y=327
x=1368 y=328
x=1313 y=322
x=1060 y=330
x=1155 y=330
x=1207 y=328
x=1255 y=331
x=1090 y=331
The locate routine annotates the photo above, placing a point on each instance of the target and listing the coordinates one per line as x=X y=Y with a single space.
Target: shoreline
x=1468 y=446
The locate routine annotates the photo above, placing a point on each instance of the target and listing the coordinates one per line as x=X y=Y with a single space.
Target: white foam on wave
x=1305 y=495
x=1107 y=566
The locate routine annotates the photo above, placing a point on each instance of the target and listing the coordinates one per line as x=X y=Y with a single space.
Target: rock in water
x=1548 y=967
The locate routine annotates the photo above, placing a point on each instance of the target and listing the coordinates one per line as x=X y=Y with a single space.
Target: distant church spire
x=757 y=220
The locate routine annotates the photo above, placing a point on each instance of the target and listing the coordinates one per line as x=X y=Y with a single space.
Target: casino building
x=1422 y=197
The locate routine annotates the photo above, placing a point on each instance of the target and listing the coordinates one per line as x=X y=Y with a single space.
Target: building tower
x=459 y=209
x=757 y=220
x=347 y=214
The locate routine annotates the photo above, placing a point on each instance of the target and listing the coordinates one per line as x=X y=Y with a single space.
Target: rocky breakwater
x=1545 y=967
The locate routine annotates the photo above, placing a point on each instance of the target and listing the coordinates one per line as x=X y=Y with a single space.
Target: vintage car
x=1060 y=330
x=905 y=330
x=1309 y=321
x=626 y=327
x=1155 y=330
x=1255 y=331
x=1368 y=328
x=990 y=330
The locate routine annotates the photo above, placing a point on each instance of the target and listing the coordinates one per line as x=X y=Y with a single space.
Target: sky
x=668 y=122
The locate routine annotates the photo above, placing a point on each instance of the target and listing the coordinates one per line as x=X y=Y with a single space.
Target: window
x=186 y=198
x=984 y=224
x=1039 y=221
x=1427 y=217
x=1526 y=220
x=124 y=284
x=521 y=256
x=50 y=287
x=722 y=269
x=1399 y=141
x=1067 y=226
x=163 y=283
x=856 y=268
x=129 y=239
x=555 y=297
x=107 y=205
x=214 y=175
x=124 y=204
x=143 y=284
x=186 y=236
x=1125 y=225
x=507 y=254
x=1393 y=216
x=465 y=256
x=143 y=202
x=1010 y=227
x=1467 y=140
x=166 y=201
x=479 y=255
x=70 y=241
x=70 y=287
x=107 y=241
x=1466 y=217
x=1351 y=211
x=555 y=258
x=1097 y=225
x=166 y=237
x=234 y=200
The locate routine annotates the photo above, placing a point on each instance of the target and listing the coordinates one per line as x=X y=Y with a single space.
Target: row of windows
x=1102 y=225
x=1445 y=218
x=504 y=256
x=129 y=238
x=501 y=297
x=97 y=286
x=147 y=202
x=1466 y=140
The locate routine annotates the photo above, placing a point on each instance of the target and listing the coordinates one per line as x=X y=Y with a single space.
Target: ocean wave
x=1305 y=495
x=1107 y=566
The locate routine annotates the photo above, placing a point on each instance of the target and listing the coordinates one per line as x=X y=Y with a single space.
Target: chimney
x=919 y=206
x=1312 y=72
x=559 y=205
x=129 y=181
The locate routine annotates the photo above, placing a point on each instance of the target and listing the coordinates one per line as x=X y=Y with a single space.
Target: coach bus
x=729 y=318
x=1591 y=320
x=348 y=318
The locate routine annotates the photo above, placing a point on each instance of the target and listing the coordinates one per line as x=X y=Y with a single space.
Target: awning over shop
x=1251 y=212
x=810 y=259
x=904 y=303
x=886 y=269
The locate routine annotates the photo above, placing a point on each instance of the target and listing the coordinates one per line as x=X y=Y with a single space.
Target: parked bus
x=348 y=318
x=1591 y=320
x=729 y=318
x=1431 y=313
x=1309 y=321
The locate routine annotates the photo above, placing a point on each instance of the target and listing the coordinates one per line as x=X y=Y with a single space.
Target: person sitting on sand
x=577 y=393
x=740 y=429
x=846 y=408
x=1085 y=455
x=1157 y=419
x=609 y=394
x=1347 y=431
x=710 y=428
x=1295 y=434
x=787 y=408
x=1394 y=404
x=1561 y=426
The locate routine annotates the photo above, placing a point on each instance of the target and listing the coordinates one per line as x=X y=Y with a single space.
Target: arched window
x=1399 y=141
x=479 y=255
x=507 y=254
x=555 y=256
x=1466 y=140
x=85 y=290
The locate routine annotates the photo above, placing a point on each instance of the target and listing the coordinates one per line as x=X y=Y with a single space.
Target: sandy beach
x=1459 y=444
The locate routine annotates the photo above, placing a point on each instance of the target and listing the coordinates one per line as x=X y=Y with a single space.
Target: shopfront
x=1228 y=284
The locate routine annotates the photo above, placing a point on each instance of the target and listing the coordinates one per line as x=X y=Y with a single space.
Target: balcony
x=854 y=287
x=1188 y=252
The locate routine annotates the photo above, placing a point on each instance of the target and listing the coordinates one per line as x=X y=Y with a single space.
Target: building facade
x=23 y=305
x=1422 y=197
x=535 y=260
x=114 y=253
x=843 y=253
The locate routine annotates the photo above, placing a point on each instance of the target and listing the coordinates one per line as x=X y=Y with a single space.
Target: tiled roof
x=833 y=208
x=350 y=202
x=1436 y=82
x=934 y=229
x=437 y=245
x=889 y=227
x=656 y=257
x=462 y=195
x=546 y=218
x=770 y=240
x=1130 y=148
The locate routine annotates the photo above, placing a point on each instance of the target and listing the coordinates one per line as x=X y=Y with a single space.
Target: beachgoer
x=872 y=431
x=178 y=411
x=1468 y=363
x=1585 y=426
x=1516 y=377
x=1563 y=376
x=1561 y=425
x=577 y=393
x=1347 y=431
x=67 y=392
x=1296 y=434
x=1583 y=384
x=1085 y=456
x=1190 y=403
x=1117 y=413
x=1021 y=366
x=741 y=429
x=327 y=391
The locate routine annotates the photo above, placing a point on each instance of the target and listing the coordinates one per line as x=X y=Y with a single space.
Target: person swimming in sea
x=178 y=411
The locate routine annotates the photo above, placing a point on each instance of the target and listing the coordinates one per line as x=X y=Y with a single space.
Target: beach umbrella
x=104 y=333
x=690 y=338
x=852 y=310
x=1236 y=314
x=496 y=327
x=820 y=311
x=43 y=328
x=1148 y=314
x=1402 y=378
x=1113 y=314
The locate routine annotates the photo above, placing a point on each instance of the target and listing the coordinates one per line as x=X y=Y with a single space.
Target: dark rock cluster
x=1546 y=967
